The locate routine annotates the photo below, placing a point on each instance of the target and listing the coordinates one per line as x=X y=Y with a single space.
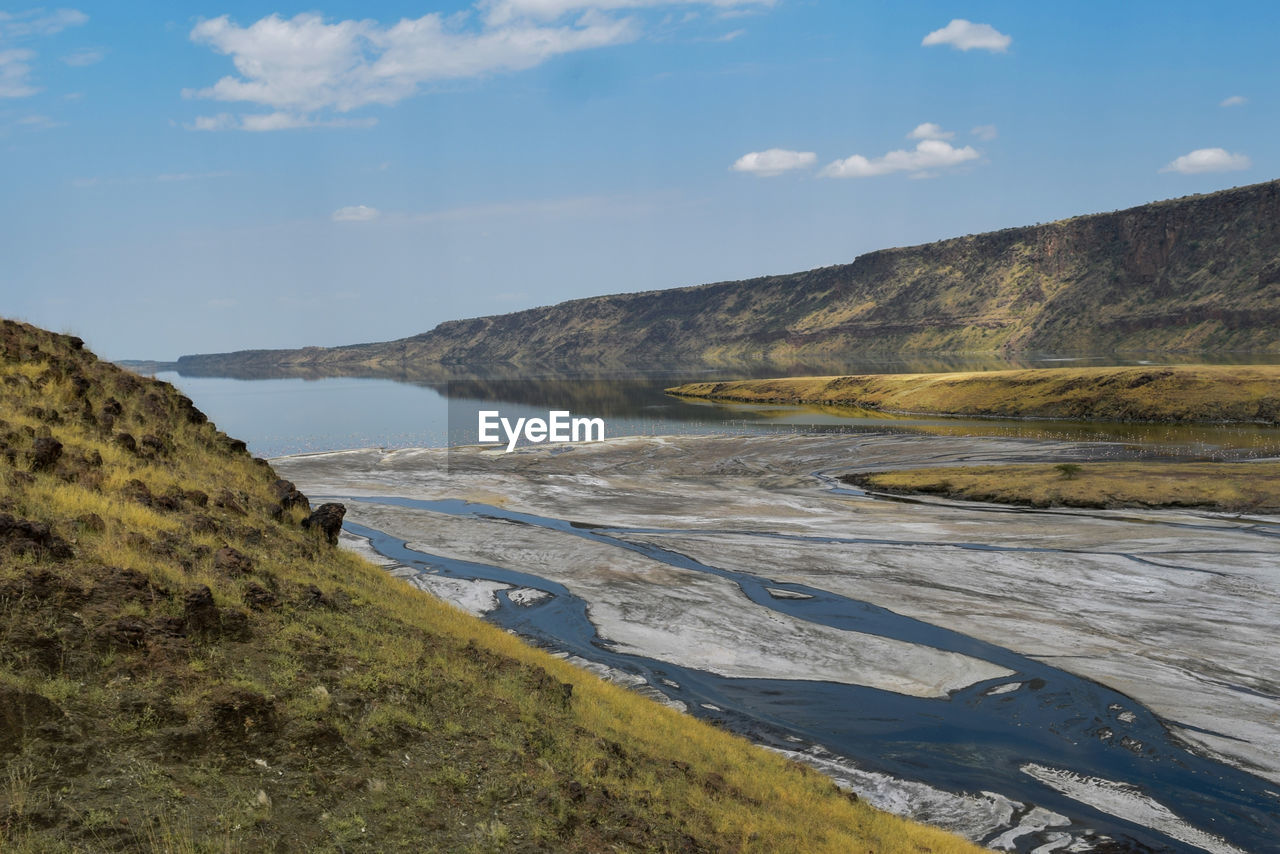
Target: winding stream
x=1042 y=737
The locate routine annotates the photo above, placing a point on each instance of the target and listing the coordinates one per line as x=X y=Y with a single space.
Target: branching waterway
x=1036 y=680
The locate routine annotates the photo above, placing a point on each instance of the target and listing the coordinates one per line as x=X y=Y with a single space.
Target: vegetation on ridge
x=1232 y=487
x=1181 y=393
x=1195 y=274
x=183 y=667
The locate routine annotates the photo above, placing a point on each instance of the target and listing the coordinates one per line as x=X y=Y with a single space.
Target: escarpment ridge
x=1195 y=274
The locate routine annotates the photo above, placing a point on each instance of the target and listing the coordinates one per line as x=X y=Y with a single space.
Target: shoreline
x=1165 y=394
x=753 y=505
x=1215 y=487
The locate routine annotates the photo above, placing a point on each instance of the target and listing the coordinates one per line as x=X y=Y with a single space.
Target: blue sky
x=199 y=177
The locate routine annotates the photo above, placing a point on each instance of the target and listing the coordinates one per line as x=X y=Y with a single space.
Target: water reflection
x=284 y=411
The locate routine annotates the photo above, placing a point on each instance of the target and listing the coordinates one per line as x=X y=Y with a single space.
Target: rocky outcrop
x=327 y=518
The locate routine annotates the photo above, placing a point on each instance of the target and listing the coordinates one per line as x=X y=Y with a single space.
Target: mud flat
x=736 y=567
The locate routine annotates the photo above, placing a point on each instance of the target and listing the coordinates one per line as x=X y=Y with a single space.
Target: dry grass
x=1195 y=393
x=316 y=703
x=1234 y=487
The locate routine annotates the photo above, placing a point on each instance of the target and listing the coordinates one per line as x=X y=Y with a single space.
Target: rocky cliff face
x=1193 y=274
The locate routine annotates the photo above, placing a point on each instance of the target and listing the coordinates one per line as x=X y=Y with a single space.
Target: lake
x=1044 y=681
x=289 y=415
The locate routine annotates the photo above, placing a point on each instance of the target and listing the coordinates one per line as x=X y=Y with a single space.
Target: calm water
x=909 y=738
x=286 y=415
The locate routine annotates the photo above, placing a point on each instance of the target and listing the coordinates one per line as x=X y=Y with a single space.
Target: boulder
x=231 y=562
x=328 y=519
x=289 y=496
x=45 y=453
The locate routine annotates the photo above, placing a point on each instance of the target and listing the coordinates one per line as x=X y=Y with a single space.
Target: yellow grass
x=1182 y=393
x=1238 y=486
x=438 y=731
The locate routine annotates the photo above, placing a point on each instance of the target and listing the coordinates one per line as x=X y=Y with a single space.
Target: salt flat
x=1176 y=610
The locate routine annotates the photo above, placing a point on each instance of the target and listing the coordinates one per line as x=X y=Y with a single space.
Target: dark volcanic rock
x=21 y=712
x=33 y=538
x=91 y=522
x=136 y=490
x=153 y=445
x=238 y=712
x=231 y=562
x=45 y=453
x=259 y=598
x=328 y=519
x=199 y=611
x=289 y=496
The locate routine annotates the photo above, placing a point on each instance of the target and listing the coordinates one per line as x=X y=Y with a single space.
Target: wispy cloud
x=1208 y=160
x=306 y=66
x=15 y=72
x=929 y=130
x=38 y=122
x=499 y=12
x=162 y=178
x=38 y=22
x=773 y=161
x=279 y=120
x=966 y=35
x=929 y=154
x=81 y=58
x=985 y=132
x=15 y=62
x=356 y=213
x=1234 y=101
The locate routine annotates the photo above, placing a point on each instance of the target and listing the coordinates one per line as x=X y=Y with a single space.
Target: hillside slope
x=184 y=667
x=1193 y=274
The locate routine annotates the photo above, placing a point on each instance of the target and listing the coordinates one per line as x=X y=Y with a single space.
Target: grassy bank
x=1234 y=487
x=184 y=667
x=1196 y=393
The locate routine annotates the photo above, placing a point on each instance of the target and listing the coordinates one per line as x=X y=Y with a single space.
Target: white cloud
x=1208 y=160
x=163 y=178
x=1234 y=101
x=499 y=12
x=273 y=121
x=928 y=154
x=929 y=130
x=222 y=121
x=356 y=213
x=15 y=67
x=14 y=71
x=966 y=35
x=84 y=57
x=37 y=122
x=37 y=22
x=304 y=65
x=985 y=132
x=774 y=161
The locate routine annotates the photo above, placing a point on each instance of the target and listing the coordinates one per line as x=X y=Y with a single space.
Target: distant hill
x=1200 y=273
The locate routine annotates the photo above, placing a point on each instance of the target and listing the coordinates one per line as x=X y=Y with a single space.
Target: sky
x=202 y=177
